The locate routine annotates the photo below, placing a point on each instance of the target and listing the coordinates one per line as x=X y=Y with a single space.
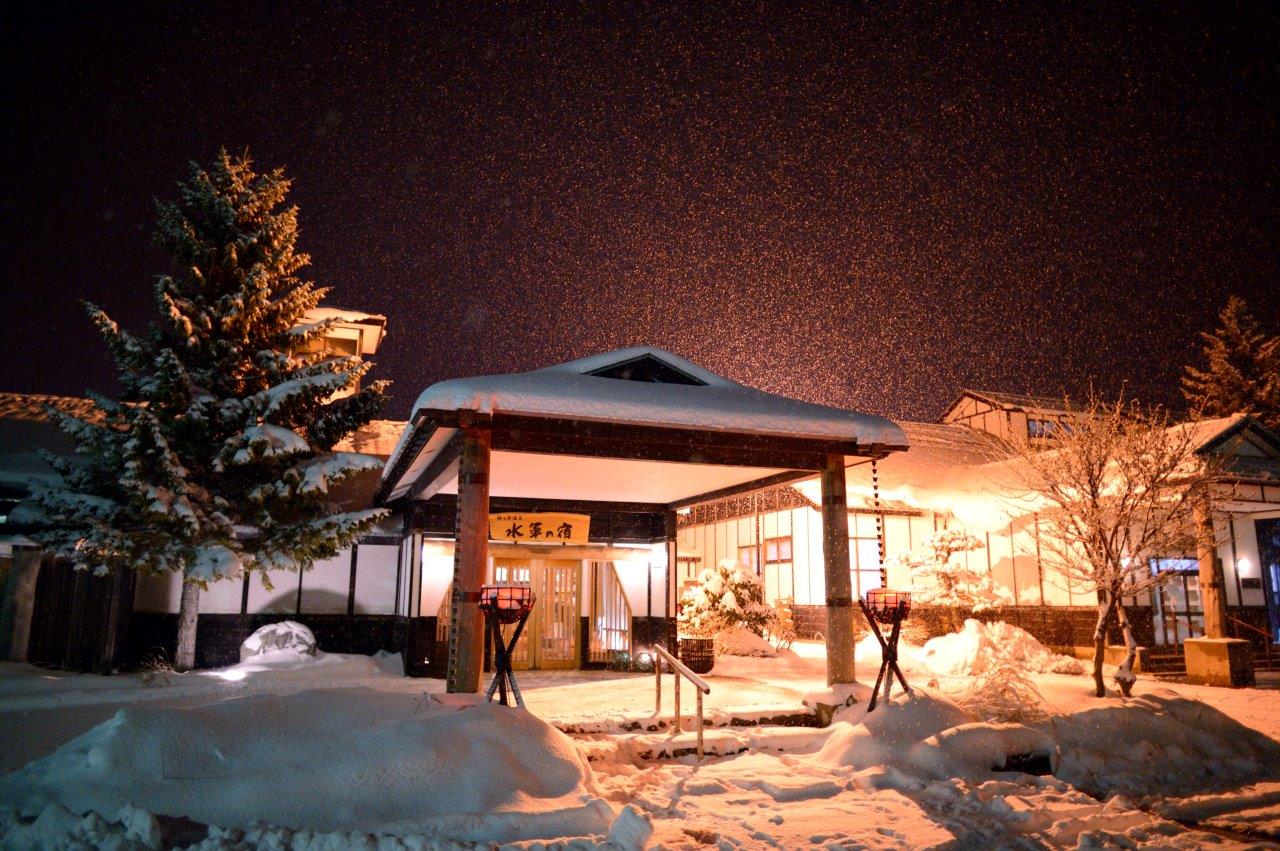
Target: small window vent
x=648 y=369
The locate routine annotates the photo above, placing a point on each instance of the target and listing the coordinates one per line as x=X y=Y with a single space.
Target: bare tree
x=1113 y=488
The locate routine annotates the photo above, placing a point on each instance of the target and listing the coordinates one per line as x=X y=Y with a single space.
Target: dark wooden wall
x=218 y=637
x=1053 y=626
x=79 y=620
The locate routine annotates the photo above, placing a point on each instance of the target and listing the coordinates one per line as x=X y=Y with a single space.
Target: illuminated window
x=864 y=564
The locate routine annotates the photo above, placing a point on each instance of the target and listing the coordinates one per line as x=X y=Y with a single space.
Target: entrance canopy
x=639 y=428
x=636 y=425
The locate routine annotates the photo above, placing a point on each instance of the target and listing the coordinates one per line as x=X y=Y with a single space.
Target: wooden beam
x=609 y=436
x=643 y=448
x=466 y=633
x=835 y=554
x=614 y=522
x=669 y=601
x=573 y=552
x=761 y=484
x=442 y=468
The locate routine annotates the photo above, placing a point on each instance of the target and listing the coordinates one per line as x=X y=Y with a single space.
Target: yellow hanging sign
x=545 y=527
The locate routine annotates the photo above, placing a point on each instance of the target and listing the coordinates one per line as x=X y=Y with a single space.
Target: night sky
x=867 y=209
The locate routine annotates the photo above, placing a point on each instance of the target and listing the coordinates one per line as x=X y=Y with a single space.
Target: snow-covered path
x=1127 y=769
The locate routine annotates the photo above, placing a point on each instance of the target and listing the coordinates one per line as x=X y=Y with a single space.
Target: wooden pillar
x=17 y=603
x=470 y=555
x=670 y=604
x=835 y=554
x=1213 y=583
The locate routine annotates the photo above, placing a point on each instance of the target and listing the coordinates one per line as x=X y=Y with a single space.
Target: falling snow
x=854 y=207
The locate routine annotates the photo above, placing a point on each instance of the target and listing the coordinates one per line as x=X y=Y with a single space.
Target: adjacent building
x=657 y=469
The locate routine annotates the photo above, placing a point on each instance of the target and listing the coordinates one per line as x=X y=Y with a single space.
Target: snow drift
x=743 y=642
x=1160 y=745
x=929 y=735
x=979 y=646
x=326 y=760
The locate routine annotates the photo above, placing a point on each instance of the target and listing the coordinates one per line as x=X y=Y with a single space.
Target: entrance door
x=1269 y=554
x=1179 y=613
x=550 y=638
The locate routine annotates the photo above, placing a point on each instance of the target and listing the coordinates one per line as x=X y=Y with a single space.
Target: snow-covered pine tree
x=939 y=581
x=219 y=456
x=1242 y=372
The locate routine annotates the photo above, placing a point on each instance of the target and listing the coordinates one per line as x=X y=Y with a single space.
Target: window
x=777 y=550
x=1045 y=429
x=864 y=563
x=1180 y=564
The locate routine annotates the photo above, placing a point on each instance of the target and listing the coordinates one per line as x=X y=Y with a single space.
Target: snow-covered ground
x=335 y=751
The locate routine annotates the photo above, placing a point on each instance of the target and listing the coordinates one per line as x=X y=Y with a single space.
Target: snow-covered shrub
x=286 y=635
x=743 y=642
x=937 y=580
x=727 y=596
x=783 y=628
x=1003 y=693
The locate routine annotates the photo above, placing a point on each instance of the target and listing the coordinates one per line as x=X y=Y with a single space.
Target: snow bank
x=930 y=736
x=979 y=646
x=289 y=664
x=327 y=760
x=1159 y=745
x=743 y=642
x=58 y=827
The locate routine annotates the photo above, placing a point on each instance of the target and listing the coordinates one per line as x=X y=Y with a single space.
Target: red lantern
x=884 y=603
x=506 y=603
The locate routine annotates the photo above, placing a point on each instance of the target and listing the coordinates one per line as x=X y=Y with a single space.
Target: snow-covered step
x=729 y=717
x=637 y=748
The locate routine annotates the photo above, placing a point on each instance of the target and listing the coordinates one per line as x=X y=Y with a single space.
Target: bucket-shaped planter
x=698 y=654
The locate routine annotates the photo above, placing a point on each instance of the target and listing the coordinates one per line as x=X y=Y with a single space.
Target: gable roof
x=26 y=429
x=1011 y=401
x=571 y=391
x=668 y=392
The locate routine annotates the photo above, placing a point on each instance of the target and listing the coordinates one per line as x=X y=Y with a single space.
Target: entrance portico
x=637 y=430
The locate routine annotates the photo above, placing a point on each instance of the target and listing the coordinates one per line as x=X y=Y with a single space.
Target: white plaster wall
x=327 y=585
x=281 y=600
x=1250 y=563
x=376 y=569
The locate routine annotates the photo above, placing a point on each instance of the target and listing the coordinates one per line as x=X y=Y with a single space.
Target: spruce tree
x=219 y=456
x=1242 y=372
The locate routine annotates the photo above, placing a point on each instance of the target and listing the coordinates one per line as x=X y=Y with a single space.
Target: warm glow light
x=232 y=676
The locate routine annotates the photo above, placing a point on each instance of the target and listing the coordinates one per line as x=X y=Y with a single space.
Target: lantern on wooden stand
x=503 y=605
x=888 y=608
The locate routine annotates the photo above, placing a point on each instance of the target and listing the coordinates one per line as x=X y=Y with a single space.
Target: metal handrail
x=679 y=669
x=1266 y=636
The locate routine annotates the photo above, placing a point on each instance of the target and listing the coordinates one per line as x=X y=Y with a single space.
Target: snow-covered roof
x=571 y=391
x=640 y=386
x=946 y=444
x=377 y=437
x=26 y=428
x=1015 y=401
x=319 y=314
x=367 y=329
